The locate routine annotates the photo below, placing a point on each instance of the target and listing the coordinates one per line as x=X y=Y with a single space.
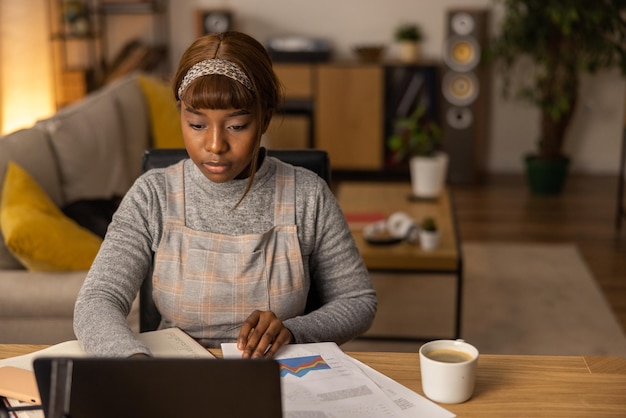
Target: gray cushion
x=135 y=119
x=88 y=141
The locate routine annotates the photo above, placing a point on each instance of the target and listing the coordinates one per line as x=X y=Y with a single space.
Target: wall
x=25 y=64
x=595 y=137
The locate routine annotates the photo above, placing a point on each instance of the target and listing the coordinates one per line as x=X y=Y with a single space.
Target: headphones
x=398 y=227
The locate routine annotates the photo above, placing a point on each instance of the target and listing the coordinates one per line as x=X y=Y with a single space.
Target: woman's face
x=220 y=142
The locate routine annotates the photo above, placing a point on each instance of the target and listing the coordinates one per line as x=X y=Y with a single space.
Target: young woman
x=236 y=238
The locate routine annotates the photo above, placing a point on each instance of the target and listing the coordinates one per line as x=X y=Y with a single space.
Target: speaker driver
x=459 y=117
x=460 y=89
x=462 y=23
x=462 y=53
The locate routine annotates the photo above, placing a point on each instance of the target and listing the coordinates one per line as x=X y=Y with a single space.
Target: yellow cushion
x=164 y=114
x=37 y=232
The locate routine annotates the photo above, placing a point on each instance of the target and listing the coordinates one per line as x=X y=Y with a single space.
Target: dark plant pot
x=546 y=177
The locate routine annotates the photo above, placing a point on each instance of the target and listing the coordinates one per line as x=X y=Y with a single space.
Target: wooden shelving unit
x=348 y=109
x=82 y=57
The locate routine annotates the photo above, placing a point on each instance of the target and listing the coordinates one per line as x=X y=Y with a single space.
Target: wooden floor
x=502 y=209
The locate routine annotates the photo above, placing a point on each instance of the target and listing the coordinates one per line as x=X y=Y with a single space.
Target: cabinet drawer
x=349 y=115
x=297 y=80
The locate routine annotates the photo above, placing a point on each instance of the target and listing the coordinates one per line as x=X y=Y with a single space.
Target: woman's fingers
x=262 y=334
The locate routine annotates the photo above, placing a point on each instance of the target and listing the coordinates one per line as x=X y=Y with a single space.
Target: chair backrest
x=312 y=159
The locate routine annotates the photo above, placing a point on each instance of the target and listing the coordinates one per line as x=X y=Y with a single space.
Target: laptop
x=158 y=387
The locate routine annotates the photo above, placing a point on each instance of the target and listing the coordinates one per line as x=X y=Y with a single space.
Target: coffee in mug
x=448 y=369
x=448 y=356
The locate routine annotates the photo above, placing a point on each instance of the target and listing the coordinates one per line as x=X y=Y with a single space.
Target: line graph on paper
x=300 y=366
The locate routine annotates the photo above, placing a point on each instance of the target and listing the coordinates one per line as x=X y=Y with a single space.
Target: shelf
x=84 y=48
x=140 y=7
x=83 y=37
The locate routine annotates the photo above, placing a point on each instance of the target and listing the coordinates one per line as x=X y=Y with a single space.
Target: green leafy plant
x=563 y=40
x=408 y=32
x=416 y=135
x=429 y=224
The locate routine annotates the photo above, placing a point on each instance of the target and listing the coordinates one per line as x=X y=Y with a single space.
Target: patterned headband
x=215 y=66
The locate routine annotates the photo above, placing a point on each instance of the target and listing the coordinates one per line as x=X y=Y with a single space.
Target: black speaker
x=465 y=94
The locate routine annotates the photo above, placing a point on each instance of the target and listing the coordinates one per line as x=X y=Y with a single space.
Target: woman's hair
x=221 y=92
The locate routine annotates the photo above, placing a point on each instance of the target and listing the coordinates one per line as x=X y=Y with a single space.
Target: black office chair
x=313 y=159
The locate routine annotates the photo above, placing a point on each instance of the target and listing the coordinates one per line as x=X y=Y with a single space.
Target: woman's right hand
x=262 y=334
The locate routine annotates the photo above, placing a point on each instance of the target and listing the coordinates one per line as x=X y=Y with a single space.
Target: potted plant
x=408 y=36
x=563 y=40
x=417 y=140
x=429 y=234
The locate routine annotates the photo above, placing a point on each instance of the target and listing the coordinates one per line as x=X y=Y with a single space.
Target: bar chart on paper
x=300 y=366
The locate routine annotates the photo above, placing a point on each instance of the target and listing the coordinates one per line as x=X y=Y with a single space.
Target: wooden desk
x=385 y=198
x=507 y=385
x=526 y=386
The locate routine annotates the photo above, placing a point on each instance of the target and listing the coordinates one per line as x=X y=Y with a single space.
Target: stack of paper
x=319 y=379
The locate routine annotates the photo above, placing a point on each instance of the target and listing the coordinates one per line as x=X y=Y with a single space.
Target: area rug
x=518 y=299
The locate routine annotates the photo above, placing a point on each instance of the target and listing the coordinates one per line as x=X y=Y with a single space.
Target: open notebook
x=158 y=387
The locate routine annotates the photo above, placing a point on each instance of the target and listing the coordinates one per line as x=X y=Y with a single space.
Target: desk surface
x=384 y=198
x=507 y=385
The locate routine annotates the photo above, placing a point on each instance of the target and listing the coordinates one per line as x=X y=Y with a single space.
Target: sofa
x=79 y=163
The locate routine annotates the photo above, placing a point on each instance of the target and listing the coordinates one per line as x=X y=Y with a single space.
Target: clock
x=214 y=21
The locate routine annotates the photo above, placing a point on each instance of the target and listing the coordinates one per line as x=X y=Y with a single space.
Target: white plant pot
x=429 y=240
x=428 y=175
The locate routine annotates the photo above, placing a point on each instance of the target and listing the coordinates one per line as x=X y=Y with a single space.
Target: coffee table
x=364 y=202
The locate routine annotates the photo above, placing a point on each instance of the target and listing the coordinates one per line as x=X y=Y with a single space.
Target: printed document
x=319 y=379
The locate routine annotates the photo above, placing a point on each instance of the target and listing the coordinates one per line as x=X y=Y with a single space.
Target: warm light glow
x=26 y=91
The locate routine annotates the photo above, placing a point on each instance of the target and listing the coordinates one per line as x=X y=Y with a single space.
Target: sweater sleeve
x=113 y=282
x=339 y=275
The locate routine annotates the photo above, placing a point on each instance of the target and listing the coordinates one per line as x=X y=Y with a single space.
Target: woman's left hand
x=262 y=334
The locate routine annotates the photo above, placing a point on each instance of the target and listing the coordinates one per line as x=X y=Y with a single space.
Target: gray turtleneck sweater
x=330 y=257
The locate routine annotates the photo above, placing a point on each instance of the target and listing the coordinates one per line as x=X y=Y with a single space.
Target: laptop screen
x=158 y=387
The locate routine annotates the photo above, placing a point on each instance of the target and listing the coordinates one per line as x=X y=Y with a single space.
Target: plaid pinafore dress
x=207 y=284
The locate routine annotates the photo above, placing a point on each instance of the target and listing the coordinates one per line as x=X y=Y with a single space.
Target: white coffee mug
x=448 y=370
